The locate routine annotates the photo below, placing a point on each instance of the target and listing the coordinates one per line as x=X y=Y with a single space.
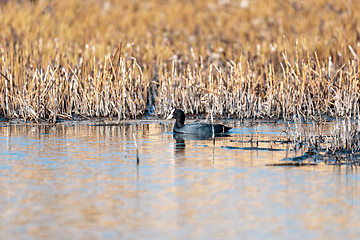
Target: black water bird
x=199 y=128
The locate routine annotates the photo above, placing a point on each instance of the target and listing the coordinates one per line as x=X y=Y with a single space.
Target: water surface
x=76 y=181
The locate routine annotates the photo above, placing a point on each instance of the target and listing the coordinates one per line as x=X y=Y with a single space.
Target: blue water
x=75 y=181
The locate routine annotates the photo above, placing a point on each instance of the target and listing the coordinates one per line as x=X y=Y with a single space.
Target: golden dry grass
x=249 y=59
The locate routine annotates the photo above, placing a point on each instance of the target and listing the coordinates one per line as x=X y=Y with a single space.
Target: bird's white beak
x=171 y=114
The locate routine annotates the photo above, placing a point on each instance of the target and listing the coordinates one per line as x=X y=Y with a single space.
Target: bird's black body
x=201 y=128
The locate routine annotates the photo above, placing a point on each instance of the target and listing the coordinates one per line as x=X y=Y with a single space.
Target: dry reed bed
x=63 y=59
x=307 y=90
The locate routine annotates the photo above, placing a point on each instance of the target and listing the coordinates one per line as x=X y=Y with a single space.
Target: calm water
x=75 y=181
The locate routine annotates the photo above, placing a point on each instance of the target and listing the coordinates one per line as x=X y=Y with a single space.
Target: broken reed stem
x=137 y=150
x=212 y=126
x=213 y=136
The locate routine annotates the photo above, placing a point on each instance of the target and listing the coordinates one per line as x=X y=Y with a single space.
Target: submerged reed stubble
x=340 y=147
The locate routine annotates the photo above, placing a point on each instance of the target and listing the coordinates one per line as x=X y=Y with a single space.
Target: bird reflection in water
x=181 y=137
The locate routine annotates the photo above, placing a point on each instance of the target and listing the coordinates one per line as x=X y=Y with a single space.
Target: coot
x=200 y=128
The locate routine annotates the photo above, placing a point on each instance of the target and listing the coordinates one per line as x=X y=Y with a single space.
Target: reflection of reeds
x=61 y=59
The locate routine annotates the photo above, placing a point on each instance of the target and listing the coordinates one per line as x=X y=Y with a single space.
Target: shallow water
x=75 y=181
